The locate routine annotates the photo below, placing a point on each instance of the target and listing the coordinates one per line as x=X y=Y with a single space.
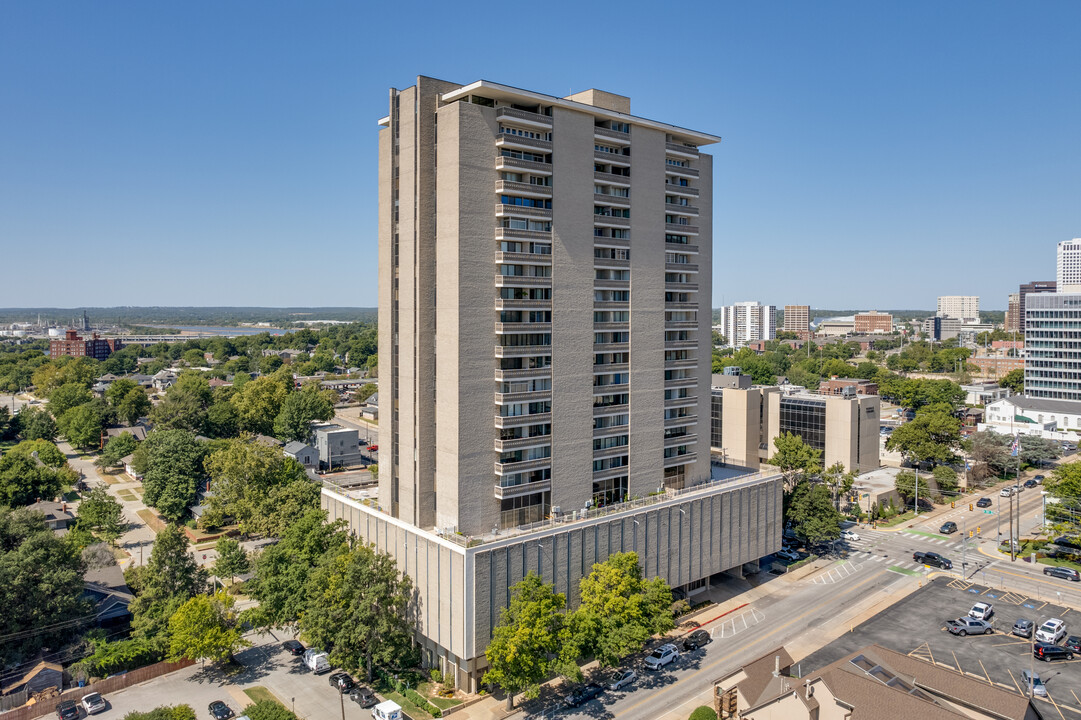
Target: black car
x=947 y=528
x=1062 y=572
x=696 y=640
x=67 y=710
x=1048 y=652
x=1031 y=483
x=220 y=711
x=582 y=695
x=1073 y=643
x=983 y=502
x=1038 y=478
x=932 y=559
x=293 y=647
x=341 y=681
x=364 y=697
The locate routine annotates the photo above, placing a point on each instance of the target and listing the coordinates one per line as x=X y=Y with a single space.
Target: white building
x=1069 y=266
x=1020 y=414
x=746 y=322
x=965 y=308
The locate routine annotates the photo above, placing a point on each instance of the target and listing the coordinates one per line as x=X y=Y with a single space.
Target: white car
x=849 y=535
x=1006 y=491
x=662 y=656
x=622 y=678
x=93 y=703
x=982 y=611
x=1051 y=631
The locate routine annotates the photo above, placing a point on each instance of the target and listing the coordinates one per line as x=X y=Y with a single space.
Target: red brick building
x=836 y=386
x=872 y=322
x=96 y=347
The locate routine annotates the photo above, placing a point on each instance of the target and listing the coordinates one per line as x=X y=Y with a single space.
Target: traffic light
x=952 y=504
x=977 y=529
x=970 y=534
x=970 y=507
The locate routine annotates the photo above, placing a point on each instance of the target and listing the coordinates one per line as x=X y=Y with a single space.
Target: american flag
x=1015 y=446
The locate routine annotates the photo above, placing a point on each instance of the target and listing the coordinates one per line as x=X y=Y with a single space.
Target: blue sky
x=875 y=155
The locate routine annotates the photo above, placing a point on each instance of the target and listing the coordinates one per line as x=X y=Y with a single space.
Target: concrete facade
x=746 y=322
x=797 y=318
x=1052 y=346
x=965 y=308
x=872 y=322
x=1069 y=266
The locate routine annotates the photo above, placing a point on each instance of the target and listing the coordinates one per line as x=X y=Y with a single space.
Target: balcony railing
x=612 y=134
x=502 y=351
x=522 y=466
x=681 y=247
x=530 y=258
x=685 y=459
x=612 y=158
x=522 y=442
x=519 y=420
x=681 y=209
x=611 y=221
x=613 y=200
x=681 y=149
x=524 y=116
x=512 y=163
x=680 y=402
x=680 y=440
x=674 y=189
x=681 y=287
x=521 y=188
x=681 y=170
x=680 y=344
x=506 y=233
x=522 y=281
x=680 y=229
x=522 y=304
x=612 y=179
x=610 y=263
x=681 y=267
x=506 y=209
x=508 y=140
x=522 y=373
x=513 y=491
x=502 y=328
x=679 y=421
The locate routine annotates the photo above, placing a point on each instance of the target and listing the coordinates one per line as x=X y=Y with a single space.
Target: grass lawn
x=118 y=553
x=71 y=496
x=898 y=519
x=127 y=495
x=152 y=520
x=260 y=693
x=115 y=479
x=429 y=690
x=1060 y=562
x=410 y=709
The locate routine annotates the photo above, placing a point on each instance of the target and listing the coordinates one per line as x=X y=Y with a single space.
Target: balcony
x=511 y=398
x=675 y=189
x=508 y=210
x=523 y=304
x=684 y=363
x=681 y=421
x=610 y=263
x=680 y=305
x=522 y=374
x=681 y=150
x=680 y=382
x=522 y=281
x=611 y=368
x=528 y=258
x=624 y=305
x=613 y=200
x=680 y=229
x=524 y=189
x=681 y=171
x=502 y=328
x=678 y=209
x=524 y=117
x=610 y=134
x=520 y=420
x=610 y=410
x=610 y=179
x=680 y=440
x=522 y=442
x=610 y=452
x=517 y=164
x=678 y=267
x=611 y=472
x=509 y=351
x=681 y=402
x=681 y=344
x=523 y=143
x=611 y=221
x=610 y=347
x=681 y=247
x=611 y=326
x=680 y=324
x=612 y=284
x=513 y=491
x=611 y=242
x=681 y=287
x=611 y=389
x=523 y=466
x=612 y=158
x=506 y=233
x=680 y=460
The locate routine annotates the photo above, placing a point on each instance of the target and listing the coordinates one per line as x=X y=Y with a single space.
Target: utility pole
x=964 y=548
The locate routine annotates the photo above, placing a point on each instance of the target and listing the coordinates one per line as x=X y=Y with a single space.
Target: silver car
x=1034 y=680
x=622 y=678
x=93 y=703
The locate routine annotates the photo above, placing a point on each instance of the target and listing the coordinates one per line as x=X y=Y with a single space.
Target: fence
x=108 y=685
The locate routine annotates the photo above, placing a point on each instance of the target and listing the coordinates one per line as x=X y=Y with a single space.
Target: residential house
x=129 y=469
x=337 y=446
x=58 y=516
x=108 y=593
x=164 y=379
x=303 y=453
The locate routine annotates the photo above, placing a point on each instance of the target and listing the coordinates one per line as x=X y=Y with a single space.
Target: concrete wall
x=741 y=413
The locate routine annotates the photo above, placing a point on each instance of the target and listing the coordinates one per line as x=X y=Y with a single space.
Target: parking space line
x=986 y=675
x=959 y=668
x=1075 y=696
x=1056 y=706
x=1014 y=680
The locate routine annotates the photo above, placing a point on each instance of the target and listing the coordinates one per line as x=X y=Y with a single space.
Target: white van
x=316 y=661
x=387 y=710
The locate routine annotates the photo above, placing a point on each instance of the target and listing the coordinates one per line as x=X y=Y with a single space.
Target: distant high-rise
x=1013 y=312
x=965 y=308
x=1030 y=288
x=746 y=322
x=1069 y=266
x=797 y=318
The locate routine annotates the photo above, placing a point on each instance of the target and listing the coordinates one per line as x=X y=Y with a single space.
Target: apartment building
x=965 y=308
x=1069 y=266
x=745 y=422
x=1013 y=312
x=746 y=322
x=872 y=322
x=1031 y=288
x=797 y=319
x=95 y=347
x=544 y=309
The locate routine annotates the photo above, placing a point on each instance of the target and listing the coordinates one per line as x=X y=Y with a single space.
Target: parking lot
x=916 y=626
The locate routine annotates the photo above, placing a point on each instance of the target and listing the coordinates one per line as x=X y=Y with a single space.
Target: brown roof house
x=873 y=683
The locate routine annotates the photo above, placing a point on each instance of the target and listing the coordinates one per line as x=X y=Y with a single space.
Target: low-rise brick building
x=96 y=347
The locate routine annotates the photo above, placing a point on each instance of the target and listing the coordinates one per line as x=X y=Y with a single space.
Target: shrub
x=703 y=712
x=165 y=712
x=269 y=710
x=110 y=658
x=437 y=677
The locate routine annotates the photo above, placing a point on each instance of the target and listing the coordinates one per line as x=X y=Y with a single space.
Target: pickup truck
x=932 y=559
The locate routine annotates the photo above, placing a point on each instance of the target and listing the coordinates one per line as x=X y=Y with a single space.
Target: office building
x=570 y=373
x=1013 y=313
x=965 y=308
x=96 y=347
x=1053 y=346
x=941 y=328
x=797 y=319
x=748 y=321
x=1031 y=288
x=845 y=426
x=1069 y=266
x=836 y=326
x=872 y=322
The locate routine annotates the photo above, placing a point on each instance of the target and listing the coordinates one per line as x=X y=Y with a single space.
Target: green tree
x=268 y=710
x=165 y=712
x=1014 y=380
x=365 y=391
x=812 y=512
x=102 y=513
x=134 y=405
x=907 y=485
x=82 y=426
x=794 y=458
x=531 y=630
x=50 y=376
x=298 y=411
x=703 y=712
x=118 y=389
x=221 y=420
x=35 y=424
x=931 y=437
x=359 y=611
x=1064 y=487
x=246 y=476
x=116 y=449
x=179 y=411
x=205 y=628
x=24 y=478
x=945 y=478
x=260 y=401
x=171 y=462
x=66 y=397
x=232 y=559
x=43 y=450
x=168 y=580
x=620 y=610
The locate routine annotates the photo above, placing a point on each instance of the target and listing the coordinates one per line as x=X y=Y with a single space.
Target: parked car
x=582 y=695
x=220 y=711
x=696 y=640
x=968 y=626
x=67 y=710
x=1048 y=652
x=789 y=555
x=933 y=559
x=341 y=682
x=1062 y=572
x=1051 y=631
x=1033 y=680
x=661 y=656
x=622 y=678
x=849 y=535
x=1031 y=483
x=1073 y=643
x=1006 y=491
x=1023 y=628
x=1038 y=478
x=93 y=703
x=948 y=528
x=982 y=611
x=983 y=502
x=363 y=696
x=317 y=661
x=293 y=647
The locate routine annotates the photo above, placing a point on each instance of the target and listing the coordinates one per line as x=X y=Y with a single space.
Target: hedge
x=703 y=712
x=412 y=695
